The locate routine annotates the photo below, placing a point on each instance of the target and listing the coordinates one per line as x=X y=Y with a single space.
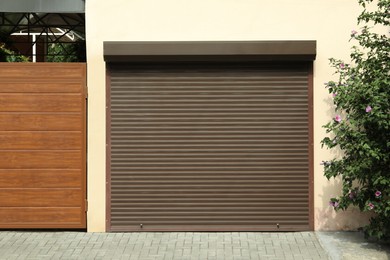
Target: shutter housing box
x=209 y=51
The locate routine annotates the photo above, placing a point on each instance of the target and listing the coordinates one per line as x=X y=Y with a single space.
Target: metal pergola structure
x=42 y=23
x=34 y=22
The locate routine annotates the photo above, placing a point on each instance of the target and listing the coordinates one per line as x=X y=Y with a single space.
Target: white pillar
x=34 y=48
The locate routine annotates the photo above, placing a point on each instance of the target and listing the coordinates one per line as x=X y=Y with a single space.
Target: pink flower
x=342 y=66
x=325 y=163
x=353 y=33
x=378 y=193
x=370 y=206
x=338 y=118
x=334 y=204
x=368 y=109
x=334 y=94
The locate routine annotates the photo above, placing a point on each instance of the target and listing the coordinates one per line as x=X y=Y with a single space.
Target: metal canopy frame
x=49 y=28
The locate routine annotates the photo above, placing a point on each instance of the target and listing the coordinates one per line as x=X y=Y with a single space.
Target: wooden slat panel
x=214 y=149
x=26 y=140
x=42 y=145
x=40 y=197
x=40 y=103
x=27 y=178
x=40 y=159
x=41 y=122
x=38 y=217
x=19 y=85
x=54 y=71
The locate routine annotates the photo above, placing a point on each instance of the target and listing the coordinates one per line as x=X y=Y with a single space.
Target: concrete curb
x=348 y=245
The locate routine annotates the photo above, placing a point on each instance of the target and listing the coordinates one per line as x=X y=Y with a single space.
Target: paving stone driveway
x=181 y=246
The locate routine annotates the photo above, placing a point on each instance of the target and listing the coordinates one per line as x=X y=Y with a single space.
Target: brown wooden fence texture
x=42 y=145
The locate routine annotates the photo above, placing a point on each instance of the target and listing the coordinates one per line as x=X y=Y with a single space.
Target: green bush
x=361 y=124
x=7 y=55
x=66 y=52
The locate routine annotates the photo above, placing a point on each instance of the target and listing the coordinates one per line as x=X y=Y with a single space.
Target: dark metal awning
x=42 y=6
x=235 y=51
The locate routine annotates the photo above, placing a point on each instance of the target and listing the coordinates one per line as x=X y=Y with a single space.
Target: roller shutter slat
x=198 y=149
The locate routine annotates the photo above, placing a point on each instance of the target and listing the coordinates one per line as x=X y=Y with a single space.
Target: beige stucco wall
x=329 y=22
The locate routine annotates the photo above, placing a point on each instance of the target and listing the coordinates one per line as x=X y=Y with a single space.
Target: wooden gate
x=42 y=145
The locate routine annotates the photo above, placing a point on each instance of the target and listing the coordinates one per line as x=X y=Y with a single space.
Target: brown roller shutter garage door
x=209 y=147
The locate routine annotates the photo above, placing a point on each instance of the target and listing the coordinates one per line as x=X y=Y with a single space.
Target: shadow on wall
x=328 y=219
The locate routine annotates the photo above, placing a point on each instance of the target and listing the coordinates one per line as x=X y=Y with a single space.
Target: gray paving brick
x=156 y=246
